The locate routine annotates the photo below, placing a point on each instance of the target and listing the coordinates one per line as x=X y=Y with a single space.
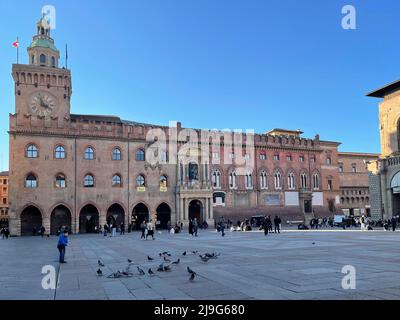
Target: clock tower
x=42 y=89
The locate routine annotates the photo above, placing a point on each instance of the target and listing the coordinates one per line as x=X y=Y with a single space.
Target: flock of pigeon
x=165 y=265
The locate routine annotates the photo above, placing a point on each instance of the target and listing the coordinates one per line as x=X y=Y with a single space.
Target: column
x=181 y=210
x=207 y=212
x=46 y=224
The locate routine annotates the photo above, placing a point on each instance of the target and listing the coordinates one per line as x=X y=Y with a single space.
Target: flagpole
x=17 y=51
x=66 y=56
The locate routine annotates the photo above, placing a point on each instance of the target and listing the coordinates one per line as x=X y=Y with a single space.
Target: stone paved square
x=293 y=265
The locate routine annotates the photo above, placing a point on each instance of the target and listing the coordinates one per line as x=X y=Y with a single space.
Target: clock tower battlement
x=42 y=89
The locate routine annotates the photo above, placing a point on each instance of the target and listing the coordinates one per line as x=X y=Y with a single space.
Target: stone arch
x=88 y=218
x=31 y=218
x=196 y=210
x=115 y=214
x=140 y=213
x=60 y=217
x=163 y=212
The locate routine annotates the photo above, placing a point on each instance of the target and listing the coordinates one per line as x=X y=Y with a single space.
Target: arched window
x=303 y=179
x=216 y=179
x=291 y=184
x=232 y=180
x=315 y=181
x=163 y=181
x=248 y=180
x=140 y=155
x=89 y=153
x=53 y=62
x=31 y=151
x=116 y=181
x=140 y=181
x=88 y=181
x=277 y=180
x=42 y=59
x=60 y=181
x=263 y=180
x=31 y=181
x=116 y=154
x=59 y=152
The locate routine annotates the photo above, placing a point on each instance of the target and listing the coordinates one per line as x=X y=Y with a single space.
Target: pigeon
x=130 y=261
x=177 y=261
x=150 y=272
x=190 y=270
x=160 y=254
x=204 y=258
x=194 y=252
x=99 y=272
x=160 y=269
x=184 y=254
x=167 y=268
x=192 y=276
x=101 y=264
x=313 y=243
x=149 y=258
x=141 y=272
x=166 y=259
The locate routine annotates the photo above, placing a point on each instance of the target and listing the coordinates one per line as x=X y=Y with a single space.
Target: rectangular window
x=288 y=157
x=301 y=158
x=341 y=170
x=328 y=161
x=329 y=184
x=247 y=156
x=276 y=157
x=215 y=155
x=263 y=156
x=4 y=181
x=232 y=155
x=4 y=200
x=354 y=168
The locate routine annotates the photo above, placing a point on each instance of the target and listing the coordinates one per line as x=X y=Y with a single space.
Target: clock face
x=42 y=104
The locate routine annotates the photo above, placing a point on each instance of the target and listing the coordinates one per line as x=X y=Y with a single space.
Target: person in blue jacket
x=62 y=243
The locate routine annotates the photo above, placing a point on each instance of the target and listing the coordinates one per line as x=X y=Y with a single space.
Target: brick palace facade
x=82 y=171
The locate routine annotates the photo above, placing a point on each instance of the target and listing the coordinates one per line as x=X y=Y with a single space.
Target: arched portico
x=140 y=213
x=31 y=220
x=163 y=215
x=60 y=217
x=88 y=219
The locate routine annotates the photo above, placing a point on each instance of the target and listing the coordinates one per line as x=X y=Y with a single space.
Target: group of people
x=321 y=223
x=5 y=233
x=147 y=228
x=193 y=227
x=267 y=225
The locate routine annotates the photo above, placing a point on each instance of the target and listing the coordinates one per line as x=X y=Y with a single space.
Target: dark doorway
x=88 y=219
x=308 y=206
x=140 y=213
x=163 y=216
x=31 y=221
x=195 y=210
x=60 y=218
x=115 y=215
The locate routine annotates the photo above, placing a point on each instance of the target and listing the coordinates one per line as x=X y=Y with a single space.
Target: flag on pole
x=16 y=44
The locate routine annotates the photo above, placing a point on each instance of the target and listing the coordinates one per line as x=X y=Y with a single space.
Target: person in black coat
x=394 y=224
x=190 y=227
x=265 y=226
x=277 y=223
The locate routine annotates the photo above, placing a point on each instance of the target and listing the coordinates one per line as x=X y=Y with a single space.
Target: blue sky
x=238 y=64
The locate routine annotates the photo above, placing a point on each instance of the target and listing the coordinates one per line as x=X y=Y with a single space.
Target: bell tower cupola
x=42 y=51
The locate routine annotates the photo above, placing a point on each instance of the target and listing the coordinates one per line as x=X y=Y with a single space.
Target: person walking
x=394 y=223
x=195 y=227
x=269 y=223
x=277 y=223
x=362 y=221
x=150 y=229
x=122 y=229
x=6 y=232
x=42 y=231
x=265 y=227
x=61 y=245
x=222 y=226
x=191 y=227
x=143 y=229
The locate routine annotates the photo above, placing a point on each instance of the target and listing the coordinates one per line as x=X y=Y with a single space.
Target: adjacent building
x=354 y=183
x=385 y=173
x=4 y=196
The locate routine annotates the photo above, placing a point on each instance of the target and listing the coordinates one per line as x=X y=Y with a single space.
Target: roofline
x=357 y=154
x=331 y=142
x=385 y=90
